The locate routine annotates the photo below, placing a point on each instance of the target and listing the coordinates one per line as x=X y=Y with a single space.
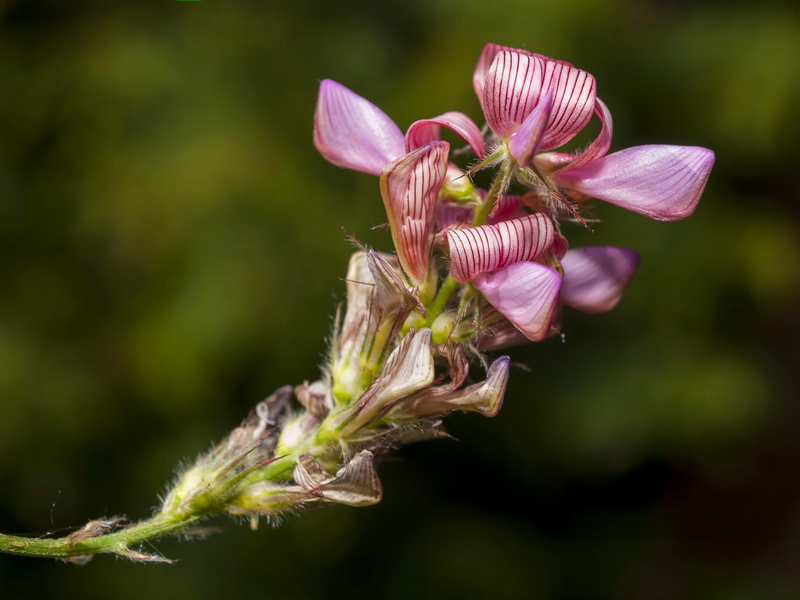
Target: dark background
x=170 y=252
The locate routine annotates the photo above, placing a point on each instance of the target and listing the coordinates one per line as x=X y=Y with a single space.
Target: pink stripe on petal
x=484 y=63
x=595 y=277
x=410 y=188
x=661 y=182
x=427 y=130
x=573 y=102
x=525 y=293
x=512 y=90
x=353 y=133
x=488 y=247
x=525 y=142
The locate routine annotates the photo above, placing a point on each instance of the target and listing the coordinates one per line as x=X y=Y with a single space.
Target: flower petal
x=525 y=293
x=484 y=63
x=480 y=249
x=513 y=88
x=353 y=133
x=410 y=187
x=662 y=182
x=427 y=130
x=573 y=102
x=602 y=142
x=525 y=142
x=595 y=277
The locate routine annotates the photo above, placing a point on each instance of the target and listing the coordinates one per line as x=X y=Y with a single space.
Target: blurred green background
x=170 y=252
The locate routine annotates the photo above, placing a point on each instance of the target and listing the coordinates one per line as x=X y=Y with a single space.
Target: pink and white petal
x=484 y=63
x=661 y=182
x=427 y=130
x=595 y=277
x=410 y=188
x=525 y=142
x=574 y=93
x=481 y=249
x=513 y=88
x=353 y=133
x=525 y=293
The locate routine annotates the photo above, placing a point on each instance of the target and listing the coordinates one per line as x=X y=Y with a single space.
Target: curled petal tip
x=427 y=130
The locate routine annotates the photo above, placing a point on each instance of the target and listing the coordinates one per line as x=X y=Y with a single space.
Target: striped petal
x=427 y=130
x=410 y=187
x=484 y=63
x=661 y=182
x=595 y=277
x=573 y=102
x=525 y=293
x=488 y=247
x=513 y=88
x=353 y=133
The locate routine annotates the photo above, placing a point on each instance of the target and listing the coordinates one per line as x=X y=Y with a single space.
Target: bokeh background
x=171 y=248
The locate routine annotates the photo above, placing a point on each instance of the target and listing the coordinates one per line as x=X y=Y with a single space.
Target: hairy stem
x=91 y=539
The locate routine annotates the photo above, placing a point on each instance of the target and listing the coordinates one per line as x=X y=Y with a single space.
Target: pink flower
x=499 y=260
x=353 y=133
x=530 y=101
x=537 y=104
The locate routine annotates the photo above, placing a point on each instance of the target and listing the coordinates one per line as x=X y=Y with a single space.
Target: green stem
x=499 y=185
x=117 y=542
x=447 y=289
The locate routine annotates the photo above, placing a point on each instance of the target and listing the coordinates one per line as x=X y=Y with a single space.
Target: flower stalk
x=473 y=270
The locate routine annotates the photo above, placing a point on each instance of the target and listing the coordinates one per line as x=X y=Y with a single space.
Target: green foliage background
x=170 y=252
